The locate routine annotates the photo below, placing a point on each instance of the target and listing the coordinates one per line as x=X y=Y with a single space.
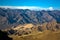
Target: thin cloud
x=51 y=8
x=27 y=7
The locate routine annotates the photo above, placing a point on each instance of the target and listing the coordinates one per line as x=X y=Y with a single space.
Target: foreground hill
x=46 y=35
x=14 y=17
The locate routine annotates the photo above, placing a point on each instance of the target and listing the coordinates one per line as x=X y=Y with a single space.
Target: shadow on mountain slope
x=4 y=36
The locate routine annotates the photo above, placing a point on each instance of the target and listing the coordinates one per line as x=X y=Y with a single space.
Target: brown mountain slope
x=46 y=35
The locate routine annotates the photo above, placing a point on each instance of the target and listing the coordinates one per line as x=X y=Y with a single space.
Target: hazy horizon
x=28 y=7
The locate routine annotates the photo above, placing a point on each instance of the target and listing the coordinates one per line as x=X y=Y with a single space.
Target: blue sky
x=41 y=3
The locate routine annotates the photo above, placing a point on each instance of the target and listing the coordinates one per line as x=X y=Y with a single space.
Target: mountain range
x=14 y=17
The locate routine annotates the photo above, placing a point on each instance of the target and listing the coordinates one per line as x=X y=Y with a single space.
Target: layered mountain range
x=14 y=17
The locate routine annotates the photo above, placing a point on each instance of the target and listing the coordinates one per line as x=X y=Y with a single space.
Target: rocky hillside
x=46 y=35
x=13 y=17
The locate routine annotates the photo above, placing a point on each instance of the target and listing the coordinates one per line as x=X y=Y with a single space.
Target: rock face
x=58 y=26
x=13 y=17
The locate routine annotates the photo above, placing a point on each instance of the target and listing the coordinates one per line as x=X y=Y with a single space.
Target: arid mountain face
x=14 y=17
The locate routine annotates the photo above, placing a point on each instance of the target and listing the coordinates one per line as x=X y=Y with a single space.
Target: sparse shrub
x=40 y=28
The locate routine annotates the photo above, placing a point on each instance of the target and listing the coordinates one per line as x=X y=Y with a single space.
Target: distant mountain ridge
x=14 y=17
